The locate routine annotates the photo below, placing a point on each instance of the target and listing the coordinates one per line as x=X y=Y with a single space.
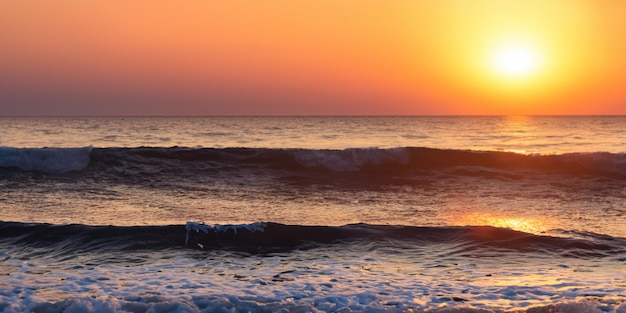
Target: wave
x=47 y=160
x=260 y=236
x=370 y=160
x=367 y=161
x=85 y=238
x=465 y=238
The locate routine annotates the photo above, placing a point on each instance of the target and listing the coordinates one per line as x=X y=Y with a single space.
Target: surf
x=366 y=161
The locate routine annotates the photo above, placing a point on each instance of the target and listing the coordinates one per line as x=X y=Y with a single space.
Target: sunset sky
x=162 y=57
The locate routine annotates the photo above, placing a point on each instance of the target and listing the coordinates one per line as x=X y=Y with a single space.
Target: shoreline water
x=438 y=217
x=357 y=268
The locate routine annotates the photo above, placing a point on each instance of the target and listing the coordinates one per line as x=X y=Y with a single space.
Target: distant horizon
x=318 y=115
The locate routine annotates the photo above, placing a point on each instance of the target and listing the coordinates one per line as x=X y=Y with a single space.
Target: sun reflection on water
x=533 y=225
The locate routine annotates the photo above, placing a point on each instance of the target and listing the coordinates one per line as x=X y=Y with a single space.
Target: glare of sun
x=534 y=225
x=515 y=60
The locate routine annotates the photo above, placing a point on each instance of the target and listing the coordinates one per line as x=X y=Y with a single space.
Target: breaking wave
x=367 y=161
x=63 y=239
x=271 y=267
x=47 y=160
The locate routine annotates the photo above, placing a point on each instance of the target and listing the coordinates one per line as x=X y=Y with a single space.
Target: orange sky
x=153 y=57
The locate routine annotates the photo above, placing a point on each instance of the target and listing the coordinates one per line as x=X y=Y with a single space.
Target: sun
x=515 y=60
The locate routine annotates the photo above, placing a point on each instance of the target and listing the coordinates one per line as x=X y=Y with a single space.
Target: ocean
x=313 y=214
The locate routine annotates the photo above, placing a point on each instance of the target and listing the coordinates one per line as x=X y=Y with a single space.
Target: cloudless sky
x=188 y=57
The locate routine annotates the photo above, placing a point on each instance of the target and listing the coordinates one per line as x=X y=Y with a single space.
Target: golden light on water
x=533 y=225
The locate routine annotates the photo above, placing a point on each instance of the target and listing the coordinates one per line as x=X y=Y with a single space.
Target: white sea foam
x=198 y=227
x=325 y=280
x=47 y=160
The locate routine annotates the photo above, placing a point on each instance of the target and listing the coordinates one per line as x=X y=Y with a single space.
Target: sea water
x=215 y=214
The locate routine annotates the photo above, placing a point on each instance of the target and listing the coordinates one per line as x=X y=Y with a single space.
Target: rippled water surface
x=445 y=213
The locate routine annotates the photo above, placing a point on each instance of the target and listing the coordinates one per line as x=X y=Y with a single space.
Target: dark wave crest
x=364 y=160
x=62 y=240
x=465 y=239
x=357 y=160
